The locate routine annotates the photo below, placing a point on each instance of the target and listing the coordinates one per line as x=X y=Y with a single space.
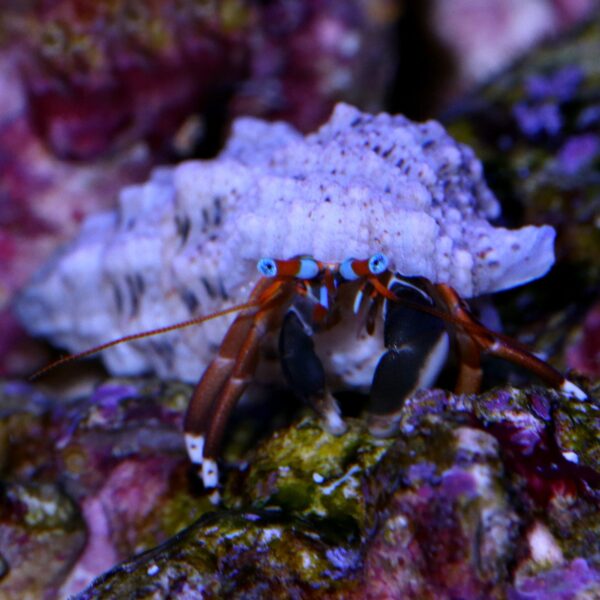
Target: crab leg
x=476 y=338
x=227 y=376
x=470 y=372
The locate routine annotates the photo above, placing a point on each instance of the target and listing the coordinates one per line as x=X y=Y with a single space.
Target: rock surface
x=488 y=496
x=470 y=486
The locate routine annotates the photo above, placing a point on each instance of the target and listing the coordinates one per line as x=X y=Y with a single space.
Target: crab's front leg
x=228 y=375
x=417 y=344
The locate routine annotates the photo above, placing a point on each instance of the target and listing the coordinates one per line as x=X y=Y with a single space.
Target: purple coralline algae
x=560 y=85
x=438 y=512
x=569 y=582
x=87 y=483
x=578 y=153
x=42 y=203
x=539 y=113
x=477 y=497
x=584 y=355
x=537 y=120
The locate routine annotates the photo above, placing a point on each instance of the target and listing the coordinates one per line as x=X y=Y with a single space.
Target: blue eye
x=347 y=271
x=378 y=263
x=267 y=267
x=308 y=269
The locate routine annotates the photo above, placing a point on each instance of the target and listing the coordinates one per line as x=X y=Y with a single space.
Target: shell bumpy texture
x=186 y=242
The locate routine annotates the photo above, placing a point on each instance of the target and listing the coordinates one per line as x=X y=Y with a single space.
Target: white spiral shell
x=187 y=241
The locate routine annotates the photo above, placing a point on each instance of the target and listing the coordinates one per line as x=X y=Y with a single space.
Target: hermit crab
x=367 y=236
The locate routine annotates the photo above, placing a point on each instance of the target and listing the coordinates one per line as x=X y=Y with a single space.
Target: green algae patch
x=305 y=470
x=341 y=482
x=174 y=512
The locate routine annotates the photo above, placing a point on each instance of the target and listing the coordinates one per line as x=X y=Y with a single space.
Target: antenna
x=143 y=334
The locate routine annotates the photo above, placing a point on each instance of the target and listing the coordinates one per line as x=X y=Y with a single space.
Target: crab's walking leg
x=226 y=377
x=476 y=338
x=304 y=371
x=417 y=345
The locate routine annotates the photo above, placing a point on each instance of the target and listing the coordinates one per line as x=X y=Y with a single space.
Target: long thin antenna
x=143 y=334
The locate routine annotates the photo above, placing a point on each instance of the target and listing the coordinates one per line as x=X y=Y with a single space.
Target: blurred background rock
x=93 y=95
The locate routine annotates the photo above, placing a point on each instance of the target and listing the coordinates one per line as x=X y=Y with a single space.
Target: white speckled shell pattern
x=187 y=241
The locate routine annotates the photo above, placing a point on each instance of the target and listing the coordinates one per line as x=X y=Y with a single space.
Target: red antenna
x=143 y=334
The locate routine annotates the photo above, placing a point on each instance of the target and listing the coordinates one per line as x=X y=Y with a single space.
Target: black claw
x=301 y=366
x=417 y=348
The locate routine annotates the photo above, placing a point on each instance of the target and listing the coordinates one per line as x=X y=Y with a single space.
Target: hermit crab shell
x=187 y=241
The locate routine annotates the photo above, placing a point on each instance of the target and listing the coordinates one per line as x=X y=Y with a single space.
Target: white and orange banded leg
x=228 y=375
x=474 y=338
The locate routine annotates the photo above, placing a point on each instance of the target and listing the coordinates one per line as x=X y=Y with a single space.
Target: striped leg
x=474 y=338
x=417 y=345
x=226 y=378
